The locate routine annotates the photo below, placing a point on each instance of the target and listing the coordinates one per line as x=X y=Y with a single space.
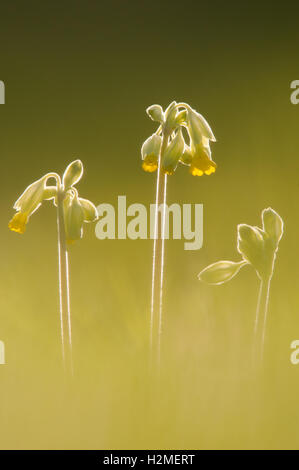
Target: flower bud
x=250 y=239
x=150 y=153
x=173 y=153
x=252 y=245
x=220 y=272
x=73 y=218
x=72 y=174
x=30 y=201
x=198 y=127
x=171 y=114
x=89 y=209
x=156 y=113
x=32 y=197
x=272 y=225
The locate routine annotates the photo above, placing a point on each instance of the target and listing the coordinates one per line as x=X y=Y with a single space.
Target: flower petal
x=32 y=197
x=201 y=163
x=18 y=222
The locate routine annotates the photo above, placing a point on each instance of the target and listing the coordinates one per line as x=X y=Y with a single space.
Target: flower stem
x=158 y=260
x=65 y=314
x=261 y=319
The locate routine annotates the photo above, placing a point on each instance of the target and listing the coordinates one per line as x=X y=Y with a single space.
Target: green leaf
x=220 y=272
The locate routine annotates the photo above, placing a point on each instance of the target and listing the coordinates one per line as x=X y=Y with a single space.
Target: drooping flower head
x=76 y=210
x=29 y=201
x=188 y=137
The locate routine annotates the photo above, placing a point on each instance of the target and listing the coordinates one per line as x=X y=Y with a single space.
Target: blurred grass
x=77 y=87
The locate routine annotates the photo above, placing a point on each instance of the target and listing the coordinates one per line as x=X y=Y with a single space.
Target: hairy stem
x=158 y=260
x=65 y=314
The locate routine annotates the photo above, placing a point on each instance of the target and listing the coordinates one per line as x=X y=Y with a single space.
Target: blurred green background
x=79 y=76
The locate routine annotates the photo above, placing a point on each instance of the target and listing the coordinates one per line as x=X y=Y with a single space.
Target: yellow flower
x=201 y=163
x=76 y=211
x=18 y=222
x=150 y=163
x=150 y=153
x=32 y=197
x=27 y=204
x=196 y=153
x=72 y=174
x=198 y=127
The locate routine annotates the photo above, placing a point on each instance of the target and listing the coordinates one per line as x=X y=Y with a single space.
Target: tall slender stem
x=65 y=314
x=158 y=260
x=265 y=310
x=261 y=319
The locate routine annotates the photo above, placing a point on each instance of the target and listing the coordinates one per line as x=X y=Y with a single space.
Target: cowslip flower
x=150 y=153
x=76 y=212
x=194 y=151
x=72 y=212
x=258 y=247
x=28 y=203
x=182 y=136
x=199 y=151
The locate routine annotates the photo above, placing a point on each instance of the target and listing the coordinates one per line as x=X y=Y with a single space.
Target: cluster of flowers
x=177 y=122
x=76 y=210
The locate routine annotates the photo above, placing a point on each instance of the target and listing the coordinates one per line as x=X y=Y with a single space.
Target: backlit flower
x=77 y=211
x=173 y=153
x=27 y=204
x=150 y=153
x=195 y=153
x=199 y=150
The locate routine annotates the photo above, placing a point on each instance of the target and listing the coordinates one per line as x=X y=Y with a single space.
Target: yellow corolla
x=201 y=163
x=150 y=153
x=199 y=159
x=150 y=163
x=28 y=203
x=18 y=222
